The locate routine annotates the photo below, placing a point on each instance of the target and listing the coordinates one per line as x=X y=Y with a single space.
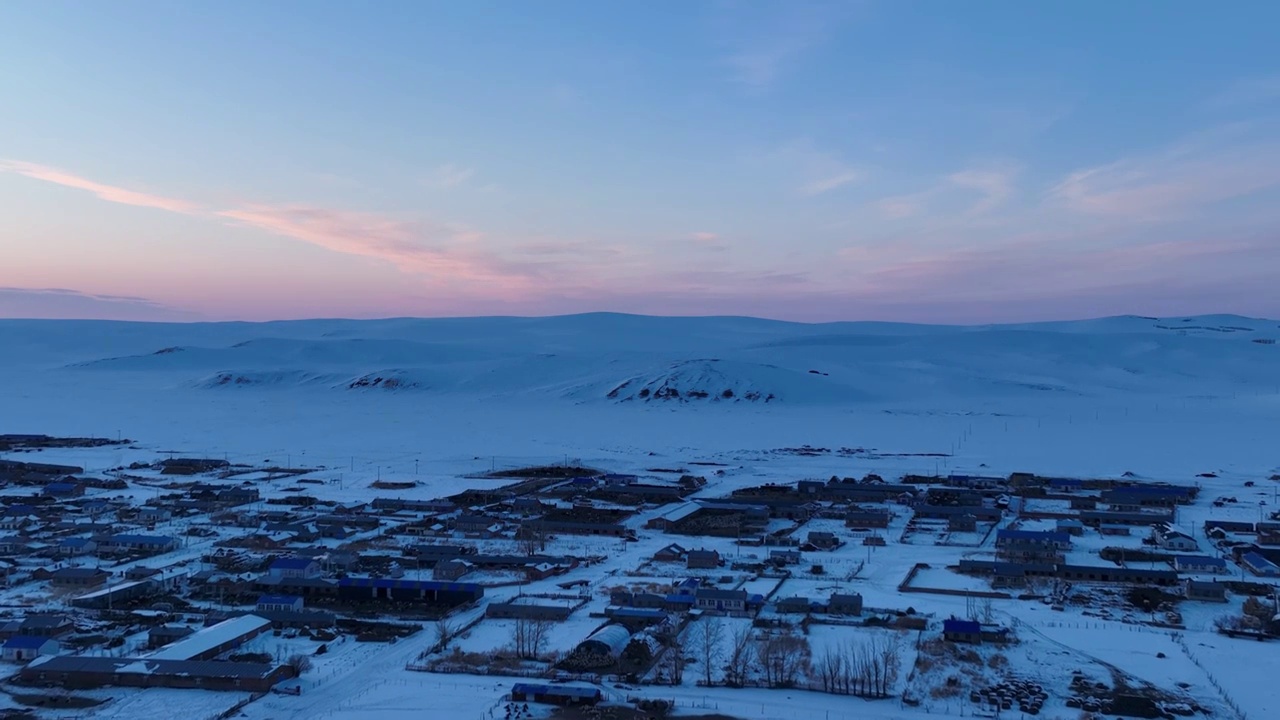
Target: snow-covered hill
x=681 y=361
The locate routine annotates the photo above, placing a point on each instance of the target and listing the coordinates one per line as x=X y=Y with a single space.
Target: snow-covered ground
x=1164 y=399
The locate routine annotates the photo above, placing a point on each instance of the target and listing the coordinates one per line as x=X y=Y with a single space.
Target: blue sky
x=925 y=161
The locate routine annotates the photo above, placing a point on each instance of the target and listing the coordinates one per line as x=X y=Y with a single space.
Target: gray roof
x=147 y=666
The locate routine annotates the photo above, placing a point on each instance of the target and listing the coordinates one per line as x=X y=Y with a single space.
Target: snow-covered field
x=1164 y=399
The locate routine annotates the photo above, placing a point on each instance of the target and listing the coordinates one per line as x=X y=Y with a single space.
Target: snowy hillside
x=625 y=359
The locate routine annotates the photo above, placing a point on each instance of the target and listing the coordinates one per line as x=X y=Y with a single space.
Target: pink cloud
x=438 y=251
x=110 y=193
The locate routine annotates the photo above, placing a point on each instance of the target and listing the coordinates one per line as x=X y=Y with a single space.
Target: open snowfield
x=1164 y=399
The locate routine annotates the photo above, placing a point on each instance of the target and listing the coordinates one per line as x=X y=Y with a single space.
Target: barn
x=431 y=592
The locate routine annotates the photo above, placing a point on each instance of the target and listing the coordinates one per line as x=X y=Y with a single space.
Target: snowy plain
x=437 y=401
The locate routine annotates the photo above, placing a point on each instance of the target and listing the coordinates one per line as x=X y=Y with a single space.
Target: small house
x=670 y=553
x=71 y=547
x=451 y=569
x=294 y=567
x=823 y=539
x=962 y=523
x=721 y=600
x=25 y=648
x=845 y=604
x=797 y=605
x=1259 y=565
x=152 y=515
x=785 y=557
x=1071 y=527
x=1199 y=564
x=555 y=694
x=63 y=489
x=78 y=577
x=292 y=603
x=702 y=559
x=962 y=631
x=1205 y=591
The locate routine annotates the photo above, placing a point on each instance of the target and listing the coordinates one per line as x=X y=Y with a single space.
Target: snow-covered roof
x=208 y=638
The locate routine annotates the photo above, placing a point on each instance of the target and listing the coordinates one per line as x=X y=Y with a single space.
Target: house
x=1095 y=518
x=720 y=600
x=63 y=489
x=797 y=605
x=476 y=524
x=162 y=635
x=1071 y=527
x=294 y=567
x=431 y=592
x=1199 y=564
x=39 y=625
x=24 y=648
x=451 y=569
x=670 y=553
x=71 y=547
x=962 y=631
x=280 y=602
x=86 y=671
x=555 y=694
x=1031 y=545
x=966 y=522
x=845 y=604
x=1205 y=591
x=209 y=642
x=127 y=542
x=702 y=559
x=867 y=519
x=1115 y=530
x=78 y=577
x=1259 y=565
x=823 y=540
x=1169 y=538
x=114 y=596
x=785 y=557
x=153 y=515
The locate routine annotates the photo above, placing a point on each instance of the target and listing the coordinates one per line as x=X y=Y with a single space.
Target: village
x=581 y=586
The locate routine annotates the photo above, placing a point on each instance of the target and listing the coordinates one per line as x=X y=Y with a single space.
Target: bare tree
x=741 y=656
x=673 y=661
x=782 y=657
x=830 y=670
x=299 y=663
x=530 y=637
x=707 y=637
x=444 y=632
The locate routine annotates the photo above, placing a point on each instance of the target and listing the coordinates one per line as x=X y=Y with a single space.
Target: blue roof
x=1258 y=561
x=686 y=599
x=278 y=599
x=60 y=487
x=961 y=626
x=291 y=563
x=1202 y=560
x=142 y=539
x=562 y=690
x=74 y=542
x=394 y=584
x=1034 y=535
x=639 y=612
x=26 y=642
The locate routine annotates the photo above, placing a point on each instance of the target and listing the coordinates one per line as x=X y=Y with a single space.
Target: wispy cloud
x=1247 y=92
x=110 y=193
x=444 y=252
x=819 y=171
x=62 y=304
x=1191 y=175
x=451 y=176
x=767 y=38
x=994 y=183
x=435 y=250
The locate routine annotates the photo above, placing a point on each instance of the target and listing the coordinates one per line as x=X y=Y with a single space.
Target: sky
x=948 y=162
